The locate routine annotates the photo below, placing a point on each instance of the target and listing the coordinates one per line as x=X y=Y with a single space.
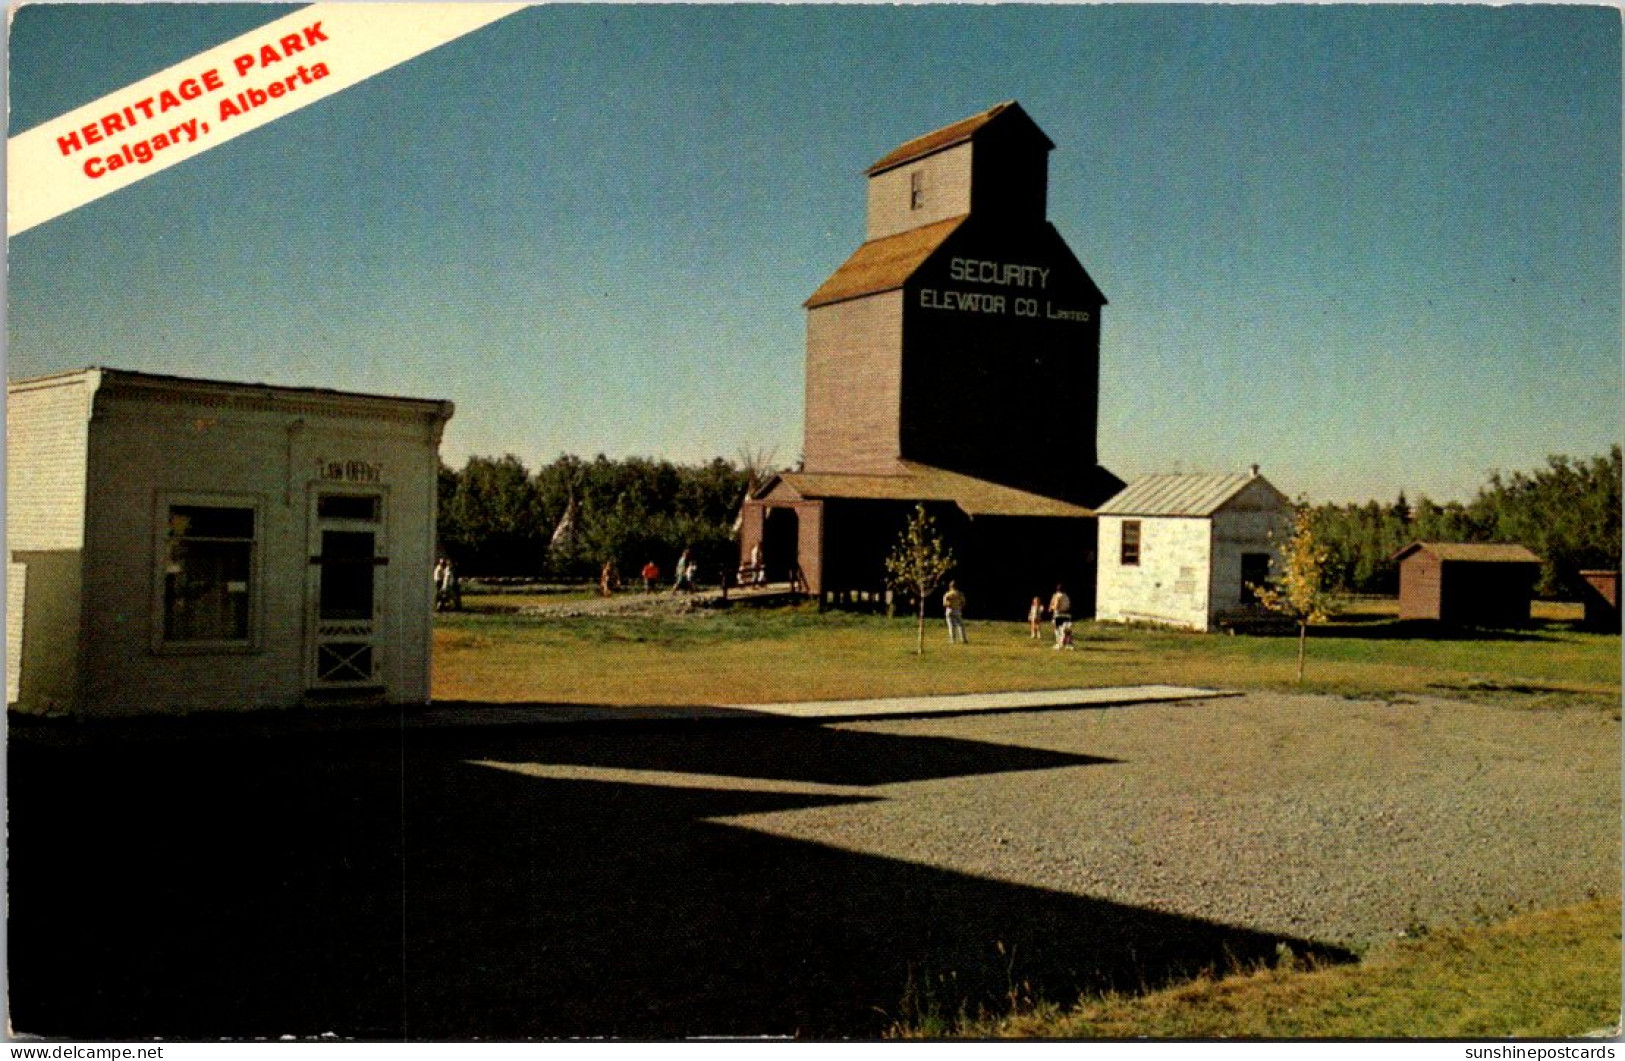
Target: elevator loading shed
x=1186 y=550
x=952 y=361
x=181 y=545
x=1465 y=584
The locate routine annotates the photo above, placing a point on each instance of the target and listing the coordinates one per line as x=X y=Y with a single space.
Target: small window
x=360 y=507
x=916 y=190
x=208 y=573
x=1131 y=543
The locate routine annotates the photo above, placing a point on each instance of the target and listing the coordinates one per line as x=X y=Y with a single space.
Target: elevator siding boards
x=953 y=360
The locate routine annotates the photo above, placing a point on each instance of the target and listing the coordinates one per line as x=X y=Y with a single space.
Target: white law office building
x=181 y=545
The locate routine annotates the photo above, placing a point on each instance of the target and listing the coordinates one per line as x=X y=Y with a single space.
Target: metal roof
x=950 y=136
x=883 y=264
x=919 y=482
x=1473 y=552
x=1181 y=495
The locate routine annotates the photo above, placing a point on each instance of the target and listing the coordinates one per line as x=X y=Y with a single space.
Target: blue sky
x=1372 y=249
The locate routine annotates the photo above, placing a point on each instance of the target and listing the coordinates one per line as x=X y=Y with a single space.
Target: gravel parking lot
x=1336 y=820
x=706 y=877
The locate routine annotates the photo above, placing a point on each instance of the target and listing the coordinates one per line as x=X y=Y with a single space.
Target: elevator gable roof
x=1007 y=113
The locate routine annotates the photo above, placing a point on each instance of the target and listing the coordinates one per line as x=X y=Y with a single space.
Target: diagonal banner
x=218 y=95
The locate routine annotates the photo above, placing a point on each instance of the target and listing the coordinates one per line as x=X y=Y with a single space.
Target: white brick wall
x=1170 y=584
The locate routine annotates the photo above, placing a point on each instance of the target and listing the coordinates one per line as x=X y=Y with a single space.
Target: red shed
x=1600 y=592
x=1466 y=584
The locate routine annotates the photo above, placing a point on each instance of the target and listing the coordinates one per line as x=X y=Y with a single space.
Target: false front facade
x=178 y=545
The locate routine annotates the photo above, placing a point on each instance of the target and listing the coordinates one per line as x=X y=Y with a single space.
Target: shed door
x=344 y=602
x=1255 y=572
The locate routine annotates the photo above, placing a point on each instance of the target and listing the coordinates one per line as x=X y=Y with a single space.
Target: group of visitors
x=684 y=575
x=1059 y=611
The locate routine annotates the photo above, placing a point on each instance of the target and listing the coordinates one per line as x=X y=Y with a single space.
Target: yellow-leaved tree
x=1298 y=589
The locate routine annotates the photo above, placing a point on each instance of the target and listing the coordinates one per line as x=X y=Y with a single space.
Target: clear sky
x=1372 y=249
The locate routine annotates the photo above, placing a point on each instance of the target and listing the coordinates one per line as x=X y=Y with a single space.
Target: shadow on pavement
x=387 y=885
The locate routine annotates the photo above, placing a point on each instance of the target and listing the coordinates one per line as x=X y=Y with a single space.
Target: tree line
x=1567 y=513
x=572 y=516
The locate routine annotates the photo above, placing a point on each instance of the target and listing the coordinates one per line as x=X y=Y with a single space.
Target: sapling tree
x=1299 y=590
x=918 y=563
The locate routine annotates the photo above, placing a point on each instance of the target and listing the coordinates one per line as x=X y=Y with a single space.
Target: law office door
x=344 y=602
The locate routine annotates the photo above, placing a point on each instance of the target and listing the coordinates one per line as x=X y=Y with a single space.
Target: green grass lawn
x=1546 y=974
x=748 y=655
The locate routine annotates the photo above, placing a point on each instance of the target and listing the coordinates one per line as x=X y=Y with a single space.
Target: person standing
x=1060 y=609
x=953 y=606
x=651 y=575
x=442 y=588
x=1035 y=615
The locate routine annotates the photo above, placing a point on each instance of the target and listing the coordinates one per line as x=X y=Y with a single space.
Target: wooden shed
x=1599 y=591
x=1466 y=584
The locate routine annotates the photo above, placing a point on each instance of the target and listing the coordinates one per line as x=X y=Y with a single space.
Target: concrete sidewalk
x=459 y=714
x=452 y=715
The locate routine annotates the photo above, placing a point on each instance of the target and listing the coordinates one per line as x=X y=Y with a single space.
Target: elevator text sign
x=1018 y=291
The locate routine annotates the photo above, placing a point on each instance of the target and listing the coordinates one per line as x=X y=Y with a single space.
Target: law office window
x=916 y=190
x=1131 y=543
x=360 y=507
x=208 y=573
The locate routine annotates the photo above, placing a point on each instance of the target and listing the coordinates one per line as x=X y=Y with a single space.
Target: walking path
x=980 y=703
x=663 y=602
x=459 y=714
x=462 y=715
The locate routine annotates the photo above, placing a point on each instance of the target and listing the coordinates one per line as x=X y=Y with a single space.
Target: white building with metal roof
x=1185 y=550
